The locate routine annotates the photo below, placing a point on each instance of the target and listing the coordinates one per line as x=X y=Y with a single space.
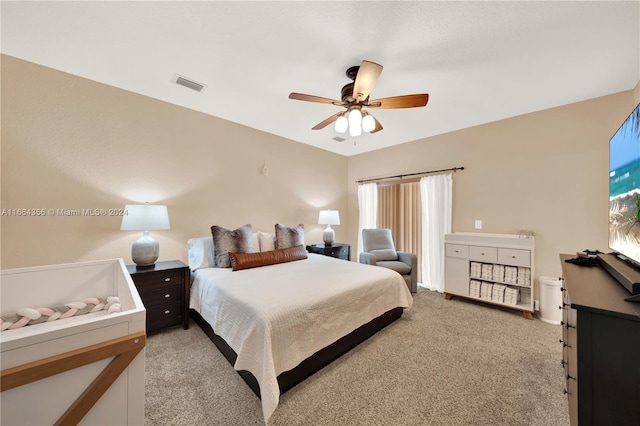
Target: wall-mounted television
x=624 y=205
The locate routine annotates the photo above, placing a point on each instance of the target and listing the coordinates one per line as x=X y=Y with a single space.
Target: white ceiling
x=479 y=61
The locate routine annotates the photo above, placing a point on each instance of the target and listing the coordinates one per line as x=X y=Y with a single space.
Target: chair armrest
x=408 y=258
x=368 y=258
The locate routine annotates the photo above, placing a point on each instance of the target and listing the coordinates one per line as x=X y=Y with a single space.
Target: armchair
x=379 y=250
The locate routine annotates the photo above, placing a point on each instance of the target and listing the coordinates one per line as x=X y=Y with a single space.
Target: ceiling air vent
x=193 y=85
x=339 y=139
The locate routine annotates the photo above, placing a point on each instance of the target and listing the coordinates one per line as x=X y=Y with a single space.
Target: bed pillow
x=289 y=237
x=224 y=241
x=256 y=241
x=266 y=241
x=253 y=260
x=200 y=252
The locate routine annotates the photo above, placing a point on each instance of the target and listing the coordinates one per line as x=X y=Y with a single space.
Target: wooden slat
x=97 y=388
x=27 y=373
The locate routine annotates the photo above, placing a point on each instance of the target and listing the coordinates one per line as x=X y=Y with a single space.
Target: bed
x=280 y=323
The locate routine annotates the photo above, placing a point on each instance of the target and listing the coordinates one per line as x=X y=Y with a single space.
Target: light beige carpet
x=445 y=362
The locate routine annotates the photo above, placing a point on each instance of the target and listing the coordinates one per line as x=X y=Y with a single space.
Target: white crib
x=86 y=369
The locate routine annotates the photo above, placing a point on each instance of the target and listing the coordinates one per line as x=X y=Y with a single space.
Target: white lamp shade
x=368 y=123
x=144 y=217
x=355 y=122
x=329 y=217
x=342 y=124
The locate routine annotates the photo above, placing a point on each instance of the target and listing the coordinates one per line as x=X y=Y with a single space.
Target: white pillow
x=200 y=252
x=266 y=241
x=256 y=242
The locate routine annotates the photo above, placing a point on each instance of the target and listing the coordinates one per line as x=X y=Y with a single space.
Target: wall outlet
x=478 y=224
x=536 y=305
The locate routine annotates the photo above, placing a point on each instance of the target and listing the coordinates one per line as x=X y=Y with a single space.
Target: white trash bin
x=550 y=300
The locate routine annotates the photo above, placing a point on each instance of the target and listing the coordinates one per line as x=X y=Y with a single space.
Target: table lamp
x=145 y=217
x=329 y=217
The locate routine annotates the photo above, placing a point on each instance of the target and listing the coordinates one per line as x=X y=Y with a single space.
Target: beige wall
x=70 y=143
x=546 y=171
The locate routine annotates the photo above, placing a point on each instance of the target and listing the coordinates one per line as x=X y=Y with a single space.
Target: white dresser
x=492 y=268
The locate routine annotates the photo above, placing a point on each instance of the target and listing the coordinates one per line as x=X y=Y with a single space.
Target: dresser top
x=490 y=240
x=593 y=288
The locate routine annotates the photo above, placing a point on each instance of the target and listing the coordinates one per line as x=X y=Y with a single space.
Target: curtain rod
x=454 y=169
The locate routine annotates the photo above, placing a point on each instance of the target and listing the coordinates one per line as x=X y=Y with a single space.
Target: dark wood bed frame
x=315 y=362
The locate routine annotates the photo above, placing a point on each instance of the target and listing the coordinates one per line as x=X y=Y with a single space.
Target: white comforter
x=275 y=316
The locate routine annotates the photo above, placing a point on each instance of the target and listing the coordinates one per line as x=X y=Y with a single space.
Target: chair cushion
x=400 y=267
x=380 y=243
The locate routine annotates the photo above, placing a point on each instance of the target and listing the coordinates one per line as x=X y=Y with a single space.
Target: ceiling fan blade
x=365 y=80
x=311 y=98
x=406 y=101
x=378 y=125
x=328 y=121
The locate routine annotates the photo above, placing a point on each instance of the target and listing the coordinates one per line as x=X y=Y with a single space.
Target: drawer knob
x=166 y=280
x=167 y=312
x=166 y=296
x=482 y=254
x=513 y=257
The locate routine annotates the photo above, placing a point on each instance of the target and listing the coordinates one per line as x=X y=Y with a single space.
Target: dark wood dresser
x=164 y=290
x=337 y=250
x=601 y=347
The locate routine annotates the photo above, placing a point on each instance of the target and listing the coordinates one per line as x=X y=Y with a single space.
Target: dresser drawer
x=160 y=294
x=456 y=250
x=158 y=279
x=483 y=254
x=514 y=257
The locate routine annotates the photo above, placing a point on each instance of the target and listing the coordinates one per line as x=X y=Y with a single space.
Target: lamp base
x=328 y=236
x=145 y=251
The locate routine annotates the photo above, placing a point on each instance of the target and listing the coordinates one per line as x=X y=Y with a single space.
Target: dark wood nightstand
x=337 y=250
x=164 y=290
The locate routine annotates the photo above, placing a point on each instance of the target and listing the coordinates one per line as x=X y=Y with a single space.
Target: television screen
x=624 y=188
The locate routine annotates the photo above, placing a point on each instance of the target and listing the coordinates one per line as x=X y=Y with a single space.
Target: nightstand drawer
x=164 y=316
x=157 y=295
x=337 y=251
x=159 y=279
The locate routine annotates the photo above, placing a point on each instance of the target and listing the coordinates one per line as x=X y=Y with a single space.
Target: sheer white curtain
x=435 y=194
x=368 y=205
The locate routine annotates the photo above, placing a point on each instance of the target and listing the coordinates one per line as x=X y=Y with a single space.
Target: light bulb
x=368 y=123
x=341 y=124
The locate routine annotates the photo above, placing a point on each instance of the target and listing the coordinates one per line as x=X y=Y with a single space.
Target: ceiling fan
x=355 y=100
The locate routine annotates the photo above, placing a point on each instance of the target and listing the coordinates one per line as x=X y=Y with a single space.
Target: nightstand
x=337 y=250
x=164 y=290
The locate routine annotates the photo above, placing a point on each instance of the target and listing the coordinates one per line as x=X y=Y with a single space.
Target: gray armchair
x=379 y=250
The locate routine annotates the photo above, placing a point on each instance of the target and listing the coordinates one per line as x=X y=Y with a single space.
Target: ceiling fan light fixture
x=368 y=123
x=342 y=124
x=355 y=118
